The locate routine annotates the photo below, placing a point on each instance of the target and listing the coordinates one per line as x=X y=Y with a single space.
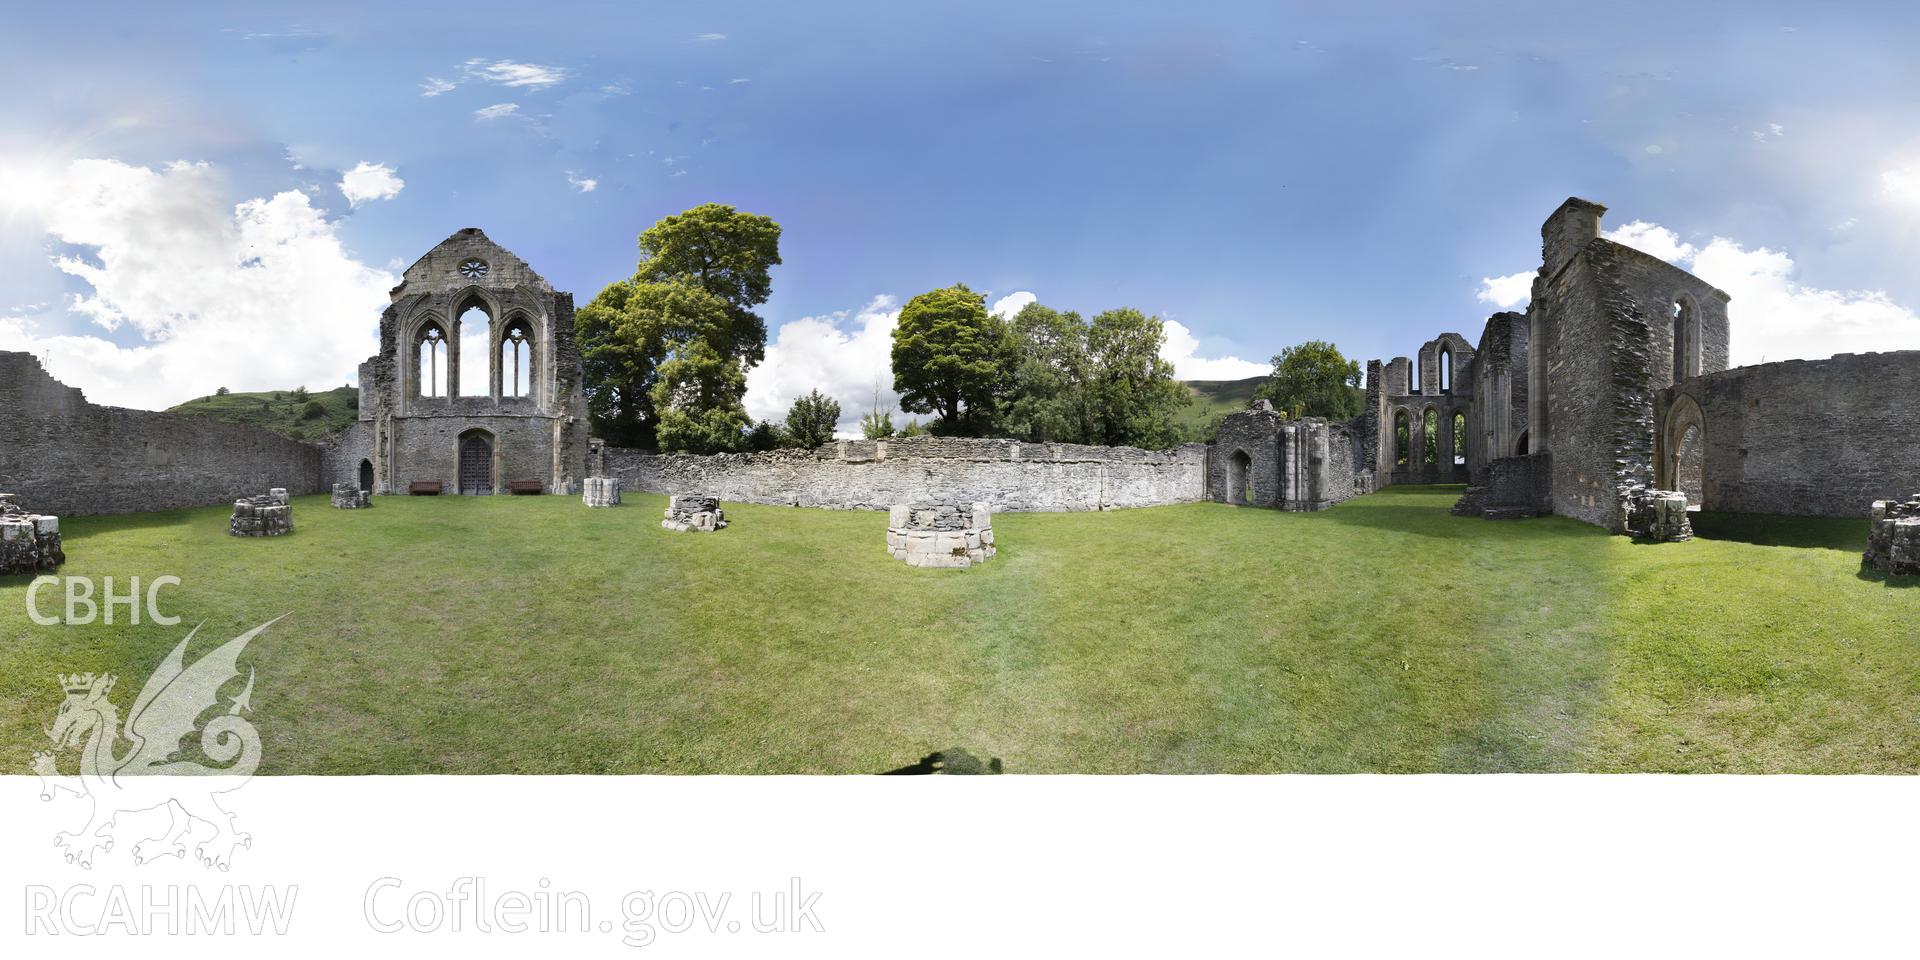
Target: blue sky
x=1259 y=174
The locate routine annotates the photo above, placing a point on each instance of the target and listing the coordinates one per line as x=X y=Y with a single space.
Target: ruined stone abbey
x=1615 y=381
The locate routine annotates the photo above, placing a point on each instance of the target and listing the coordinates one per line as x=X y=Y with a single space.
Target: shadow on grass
x=1877 y=576
x=957 y=762
x=1768 y=530
x=1424 y=511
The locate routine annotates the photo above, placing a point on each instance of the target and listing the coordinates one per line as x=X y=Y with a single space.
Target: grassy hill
x=279 y=411
x=1212 y=399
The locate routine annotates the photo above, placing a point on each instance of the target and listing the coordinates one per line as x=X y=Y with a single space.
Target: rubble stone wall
x=68 y=457
x=874 y=475
x=1808 y=437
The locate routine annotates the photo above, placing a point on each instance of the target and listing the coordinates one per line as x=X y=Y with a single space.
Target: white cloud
x=1773 y=132
x=496 y=111
x=583 y=184
x=1012 y=303
x=842 y=356
x=708 y=37
x=1772 y=316
x=370 y=181
x=258 y=296
x=1507 y=292
x=1901 y=184
x=510 y=74
x=1652 y=238
x=434 y=86
x=739 y=80
x=1181 y=347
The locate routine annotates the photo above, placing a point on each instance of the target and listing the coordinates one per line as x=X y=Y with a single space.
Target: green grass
x=533 y=635
x=279 y=411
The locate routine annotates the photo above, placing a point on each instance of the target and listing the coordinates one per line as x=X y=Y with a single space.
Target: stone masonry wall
x=874 y=475
x=68 y=457
x=1810 y=437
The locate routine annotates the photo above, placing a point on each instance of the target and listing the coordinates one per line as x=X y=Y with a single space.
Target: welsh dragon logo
x=140 y=769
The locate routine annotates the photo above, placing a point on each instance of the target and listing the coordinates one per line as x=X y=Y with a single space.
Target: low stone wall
x=874 y=475
x=694 y=512
x=940 y=533
x=1893 y=537
x=1808 y=437
x=268 y=516
x=600 y=492
x=69 y=457
x=349 y=496
x=1658 y=515
x=29 y=542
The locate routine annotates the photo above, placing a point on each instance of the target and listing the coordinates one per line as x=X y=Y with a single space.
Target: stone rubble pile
x=268 y=516
x=349 y=496
x=688 y=512
x=29 y=542
x=1658 y=515
x=1893 y=537
x=600 y=491
x=940 y=533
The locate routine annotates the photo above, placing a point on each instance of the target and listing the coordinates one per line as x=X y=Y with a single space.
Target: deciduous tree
x=949 y=358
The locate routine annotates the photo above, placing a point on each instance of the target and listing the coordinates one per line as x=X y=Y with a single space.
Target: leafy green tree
x=1131 y=388
x=696 y=390
x=1048 y=397
x=913 y=429
x=299 y=394
x=622 y=336
x=948 y=356
x=698 y=399
x=727 y=253
x=700 y=274
x=314 y=410
x=811 y=419
x=766 y=435
x=221 y=392
x=878 y=423
x=1314 y=379
x=1432 y=439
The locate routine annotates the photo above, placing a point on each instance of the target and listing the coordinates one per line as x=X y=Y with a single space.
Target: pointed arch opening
x=516 y=358
x=473 y=329
x=432 y=362
x=1402 y=438
x=1459 y=438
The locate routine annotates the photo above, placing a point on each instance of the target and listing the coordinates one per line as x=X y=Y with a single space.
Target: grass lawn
x=533 y=635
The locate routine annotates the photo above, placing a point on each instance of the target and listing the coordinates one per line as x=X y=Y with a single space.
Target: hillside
x=277 y=410
x=1213 y=399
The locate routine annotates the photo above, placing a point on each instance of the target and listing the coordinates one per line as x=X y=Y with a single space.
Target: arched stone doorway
x=1239 y=477
x=366 y=474
x=476 y=463
x=1683 y=452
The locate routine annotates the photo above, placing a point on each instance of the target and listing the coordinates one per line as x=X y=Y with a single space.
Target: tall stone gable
x=529 y=424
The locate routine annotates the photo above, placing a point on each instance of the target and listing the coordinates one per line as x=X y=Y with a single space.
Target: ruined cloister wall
x=874 y=475
x=1808 y=437
x=65 y=456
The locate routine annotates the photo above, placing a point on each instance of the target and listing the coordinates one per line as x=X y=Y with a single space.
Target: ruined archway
x=366 y=474
x=1239 y=477
x=1683 y=452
